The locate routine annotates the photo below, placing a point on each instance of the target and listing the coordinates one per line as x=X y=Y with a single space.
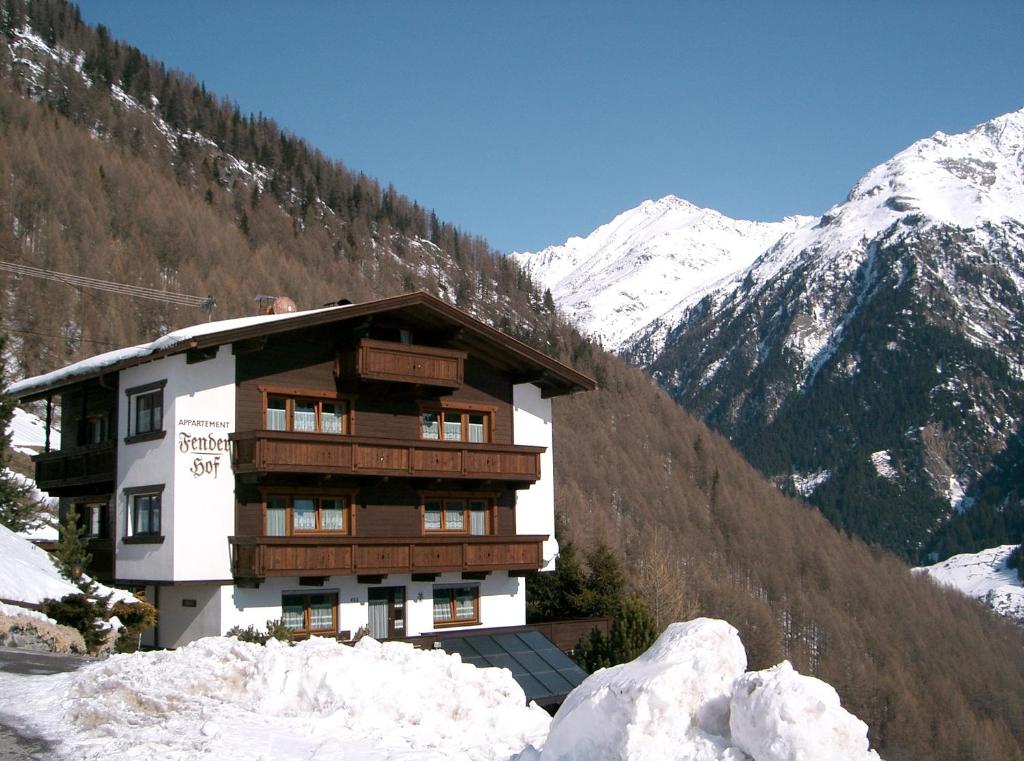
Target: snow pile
x=28 y=574
x=984 y=576
x=689 y=698
x=779 y=715
x=221 y=698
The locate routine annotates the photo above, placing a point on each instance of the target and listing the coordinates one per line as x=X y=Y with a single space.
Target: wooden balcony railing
x=73 y=468
x=289 y=452
x=261 y=556
x=402 y=363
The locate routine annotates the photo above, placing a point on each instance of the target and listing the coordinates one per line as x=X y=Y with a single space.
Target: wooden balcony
x=402 y=363
x=257 y=557
x=74 y=469
x=289 y=452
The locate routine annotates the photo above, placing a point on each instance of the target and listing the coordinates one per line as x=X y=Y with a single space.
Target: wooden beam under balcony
x=395 y=362
x=290 y=452
x=257 y=557
x=74 y=469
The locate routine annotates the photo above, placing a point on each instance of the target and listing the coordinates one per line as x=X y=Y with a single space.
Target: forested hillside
x=187 y=194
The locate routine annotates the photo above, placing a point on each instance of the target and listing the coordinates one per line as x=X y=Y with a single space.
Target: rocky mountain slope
x=870 y=361
x=631 y=270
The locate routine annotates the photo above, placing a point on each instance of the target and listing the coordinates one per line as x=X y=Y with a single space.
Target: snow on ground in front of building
x=686 y=698
x=28 y=574
x=984 y=576
x=220 y=698
x=28 y=433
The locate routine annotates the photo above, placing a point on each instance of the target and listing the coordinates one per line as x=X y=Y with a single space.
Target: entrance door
x=387 y=612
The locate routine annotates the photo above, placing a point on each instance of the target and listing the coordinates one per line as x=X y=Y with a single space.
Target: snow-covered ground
x=984 y=576
x=686 y=698
x=28 y=574
x=28 y=433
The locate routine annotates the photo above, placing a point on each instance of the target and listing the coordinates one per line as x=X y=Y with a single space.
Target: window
x=304 y=414
x=457 y=515
x=310 y=613
x=290 y=514
x=144 y=511
x=92 y=516
x=146 y=412
x=473 y=426
x=94 y=429
x=456 y=605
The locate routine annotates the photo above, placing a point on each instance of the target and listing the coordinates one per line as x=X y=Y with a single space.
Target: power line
x=124 y=289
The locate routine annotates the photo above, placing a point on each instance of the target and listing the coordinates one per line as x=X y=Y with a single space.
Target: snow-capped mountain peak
x=628 y=271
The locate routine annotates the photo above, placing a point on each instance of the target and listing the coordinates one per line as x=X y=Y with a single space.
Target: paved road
x=15 y=746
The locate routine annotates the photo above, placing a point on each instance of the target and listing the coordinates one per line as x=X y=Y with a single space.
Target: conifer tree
x=71 y=549
x=16 y=510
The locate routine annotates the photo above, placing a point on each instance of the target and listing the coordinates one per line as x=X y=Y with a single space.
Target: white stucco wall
x=204 y=484
x=502 y=601
x=535 y=507
x=181 y=622
x=144 y=463
x=193 y=463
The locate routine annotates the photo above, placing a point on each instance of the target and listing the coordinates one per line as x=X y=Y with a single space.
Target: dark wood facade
x=382 y=465
x=85 y=463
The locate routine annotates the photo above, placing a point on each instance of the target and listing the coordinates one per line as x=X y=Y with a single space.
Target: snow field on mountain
x=628 y=272
x=984 y=576
x=686 y=698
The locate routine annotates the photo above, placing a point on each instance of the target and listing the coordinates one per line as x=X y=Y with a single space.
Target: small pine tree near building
x=71 y=551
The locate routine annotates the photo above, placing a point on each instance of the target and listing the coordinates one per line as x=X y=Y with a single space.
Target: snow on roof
x=169 y=342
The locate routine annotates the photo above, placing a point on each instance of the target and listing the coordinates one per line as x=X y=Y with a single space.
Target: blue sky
x=529 y=122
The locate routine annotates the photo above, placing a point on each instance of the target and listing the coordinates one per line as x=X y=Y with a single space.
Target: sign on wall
x=205 y=445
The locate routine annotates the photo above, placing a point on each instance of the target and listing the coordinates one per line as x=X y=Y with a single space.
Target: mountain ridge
x=923 y=260
x=632 y=268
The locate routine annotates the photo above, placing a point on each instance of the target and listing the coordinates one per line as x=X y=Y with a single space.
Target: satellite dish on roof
x=282 y=305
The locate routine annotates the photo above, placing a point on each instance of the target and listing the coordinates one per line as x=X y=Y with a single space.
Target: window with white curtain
x=306 y=415
x=456 y=515
x=456 y=605
x=306 y=614
x=456 y=425
x=288 y=514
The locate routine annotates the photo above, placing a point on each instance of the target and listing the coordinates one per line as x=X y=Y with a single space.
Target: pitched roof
x=552 y=376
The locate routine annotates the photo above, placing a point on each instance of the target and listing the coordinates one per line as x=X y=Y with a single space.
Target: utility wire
x=124 y=289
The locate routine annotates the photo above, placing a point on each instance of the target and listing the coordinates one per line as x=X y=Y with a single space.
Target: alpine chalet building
x=384 y=465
